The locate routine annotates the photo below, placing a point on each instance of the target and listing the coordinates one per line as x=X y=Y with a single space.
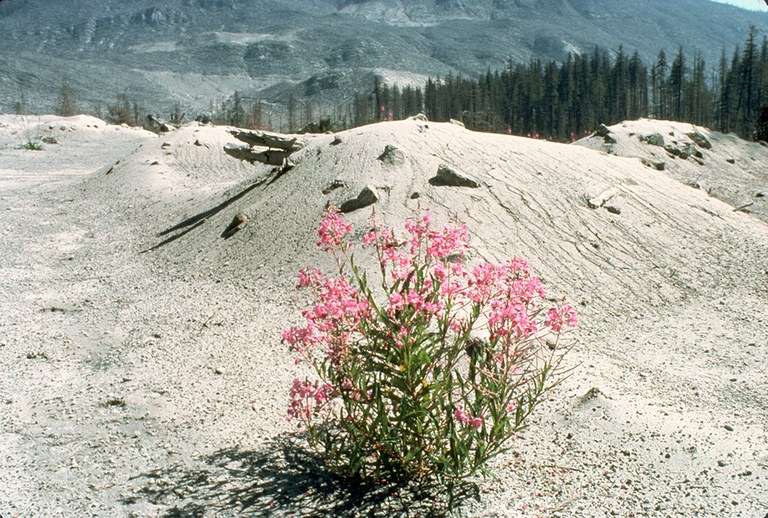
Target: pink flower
x=307 y=278
x=464 y=418
x=461 y=416
x=563 y=317
x=396 y=302
x=369 y=239
x=307 y=399
x=332 y=231
x=451 y=241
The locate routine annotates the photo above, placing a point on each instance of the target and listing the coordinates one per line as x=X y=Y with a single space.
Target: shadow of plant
x=285 y=479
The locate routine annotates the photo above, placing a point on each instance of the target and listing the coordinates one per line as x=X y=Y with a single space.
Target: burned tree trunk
x=279 y=147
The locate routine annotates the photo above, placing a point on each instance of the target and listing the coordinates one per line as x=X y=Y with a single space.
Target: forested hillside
x=562 y=101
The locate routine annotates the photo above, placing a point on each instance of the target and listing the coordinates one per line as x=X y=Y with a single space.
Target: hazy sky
x=755 y=5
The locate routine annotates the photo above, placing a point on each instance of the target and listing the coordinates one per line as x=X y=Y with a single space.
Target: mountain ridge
x=251 y=46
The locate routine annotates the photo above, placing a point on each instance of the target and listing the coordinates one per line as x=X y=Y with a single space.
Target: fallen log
x=271 y=140
x=247 y=153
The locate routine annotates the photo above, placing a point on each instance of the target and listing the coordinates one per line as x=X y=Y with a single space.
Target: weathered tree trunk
x=247 y=153
x=260 y=138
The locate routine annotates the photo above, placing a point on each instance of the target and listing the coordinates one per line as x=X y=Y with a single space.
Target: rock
x=602 y=131
x=595 y=202
x=415 y=196
x=114 y=167
x=700 y=140
x=659 y=166
x=683 y=150
x=613 y=209
x=761 y=194
x=336 y=184
x=198 y=143
x=50 y=140
x=336 y=140
x=237 y=223
x=447 y=177
x=654 y=139
x=456 y=122
x=159 y=125
x=368 y=196
x=609 y=139
x=392 y=156
x=591 y=394
x=730 y=160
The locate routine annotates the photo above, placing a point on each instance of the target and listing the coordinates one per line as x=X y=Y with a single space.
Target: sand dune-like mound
x=142 y=294
x=603 y=230
x=724 y=166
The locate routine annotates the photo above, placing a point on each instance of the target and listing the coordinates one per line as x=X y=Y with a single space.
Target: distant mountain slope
x=195 y=50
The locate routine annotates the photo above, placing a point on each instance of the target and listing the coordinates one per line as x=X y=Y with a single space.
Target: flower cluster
x=461 y=416
x=563 y=317
x=307 y=399
x=332 y=231
x=395 y=373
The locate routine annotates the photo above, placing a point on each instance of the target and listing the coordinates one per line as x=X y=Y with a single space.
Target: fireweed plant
x=432 y=379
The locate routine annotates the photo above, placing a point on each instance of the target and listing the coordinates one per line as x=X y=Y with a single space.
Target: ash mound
x=723 y=165
x=608 y=231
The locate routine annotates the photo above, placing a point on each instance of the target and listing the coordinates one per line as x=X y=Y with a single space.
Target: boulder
x=595 y=202
x=682 y=150
x=654 y=139
x=235 y=225
x=659 y=166
x=700 y=140
x=447 y=177
x=368 y=196
x=392 y=156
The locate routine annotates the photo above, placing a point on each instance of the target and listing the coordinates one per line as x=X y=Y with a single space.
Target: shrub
x=32 y=145
x=433 y=377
